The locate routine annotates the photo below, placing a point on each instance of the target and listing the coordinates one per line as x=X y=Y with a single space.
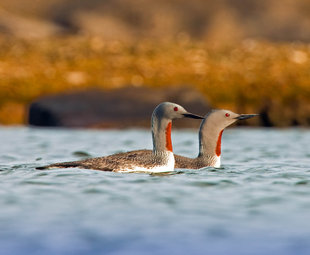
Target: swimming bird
x=210 y=138
x=161 y=159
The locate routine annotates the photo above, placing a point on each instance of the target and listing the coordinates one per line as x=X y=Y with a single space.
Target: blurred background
x=61 y=58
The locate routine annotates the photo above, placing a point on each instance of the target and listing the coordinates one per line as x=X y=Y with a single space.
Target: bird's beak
x=193 y=116
x=245 y=116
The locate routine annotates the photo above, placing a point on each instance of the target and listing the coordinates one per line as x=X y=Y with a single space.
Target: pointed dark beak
x=246 y=116
x=193 y=116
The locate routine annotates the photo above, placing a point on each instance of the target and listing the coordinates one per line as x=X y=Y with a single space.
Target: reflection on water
x=257 y=203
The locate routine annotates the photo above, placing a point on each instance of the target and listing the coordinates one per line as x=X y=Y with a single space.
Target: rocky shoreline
x=118 y=108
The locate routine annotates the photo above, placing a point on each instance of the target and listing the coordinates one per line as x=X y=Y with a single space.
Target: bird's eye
x=227 y=114
x=175 y=109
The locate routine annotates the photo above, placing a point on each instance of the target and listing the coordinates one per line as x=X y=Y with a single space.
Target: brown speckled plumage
x=194 y=163
x=116 y=162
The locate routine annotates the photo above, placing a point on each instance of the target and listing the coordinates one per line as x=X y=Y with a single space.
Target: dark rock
x=125 y=107
x=42 y=115
x=264 y=114
x=264 y=118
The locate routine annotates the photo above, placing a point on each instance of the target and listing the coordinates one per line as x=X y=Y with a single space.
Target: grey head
x=211 y=130
x=220 y=119
x=162 y=117
x=170 y=111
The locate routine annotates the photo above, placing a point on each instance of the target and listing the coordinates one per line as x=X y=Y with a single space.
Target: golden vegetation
x=246 y=77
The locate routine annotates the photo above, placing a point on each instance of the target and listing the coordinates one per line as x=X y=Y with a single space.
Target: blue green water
x=257 y=203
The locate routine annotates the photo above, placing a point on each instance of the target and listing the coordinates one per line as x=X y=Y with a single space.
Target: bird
x=160 y=159
x=210 y=138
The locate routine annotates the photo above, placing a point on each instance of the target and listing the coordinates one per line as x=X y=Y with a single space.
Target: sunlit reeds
x=248 y=77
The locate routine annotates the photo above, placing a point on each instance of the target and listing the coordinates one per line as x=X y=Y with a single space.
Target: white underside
x=217 y=162
x=157 y=169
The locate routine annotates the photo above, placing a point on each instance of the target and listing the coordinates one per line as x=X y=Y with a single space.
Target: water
x=257 y=203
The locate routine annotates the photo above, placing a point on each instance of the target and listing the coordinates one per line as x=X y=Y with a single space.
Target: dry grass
x=247 y=77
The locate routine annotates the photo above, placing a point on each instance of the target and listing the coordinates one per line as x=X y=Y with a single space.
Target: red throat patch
x=218 y=145
x=168 y=137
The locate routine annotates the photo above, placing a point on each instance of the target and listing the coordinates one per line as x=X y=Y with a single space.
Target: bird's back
x=185 y=162
x=117 y=162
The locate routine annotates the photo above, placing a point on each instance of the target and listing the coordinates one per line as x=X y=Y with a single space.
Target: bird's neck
x=210 y=141
x=161 y=134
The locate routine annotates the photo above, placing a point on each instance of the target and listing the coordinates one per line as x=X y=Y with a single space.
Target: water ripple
x=257 y=203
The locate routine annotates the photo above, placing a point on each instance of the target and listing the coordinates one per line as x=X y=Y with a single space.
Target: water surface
x=257 y=203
